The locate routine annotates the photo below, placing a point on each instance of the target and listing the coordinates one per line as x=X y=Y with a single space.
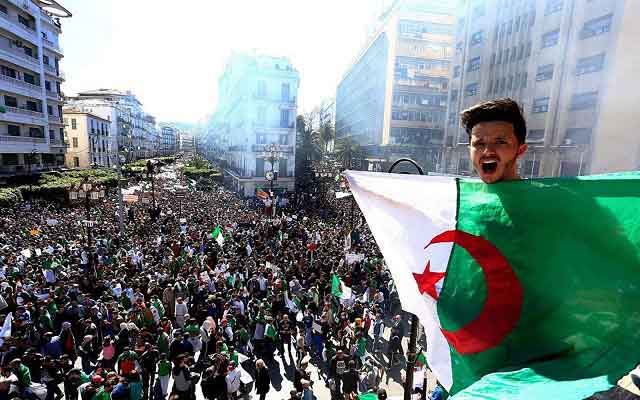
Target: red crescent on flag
x=502 y=307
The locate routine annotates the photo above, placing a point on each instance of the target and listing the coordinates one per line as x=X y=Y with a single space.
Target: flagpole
x=413 y=338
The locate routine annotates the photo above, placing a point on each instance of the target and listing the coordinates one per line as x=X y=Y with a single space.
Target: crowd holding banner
x=202 y=302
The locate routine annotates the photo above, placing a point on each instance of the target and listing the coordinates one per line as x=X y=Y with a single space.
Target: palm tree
x=347 y=151
x=326 y=135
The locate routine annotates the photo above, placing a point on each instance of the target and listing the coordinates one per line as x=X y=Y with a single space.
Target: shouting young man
x=497 y=134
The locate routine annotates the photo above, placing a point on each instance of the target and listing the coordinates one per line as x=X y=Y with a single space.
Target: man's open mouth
x=489 y=166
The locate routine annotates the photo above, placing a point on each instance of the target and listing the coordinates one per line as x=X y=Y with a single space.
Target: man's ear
x=521 y=150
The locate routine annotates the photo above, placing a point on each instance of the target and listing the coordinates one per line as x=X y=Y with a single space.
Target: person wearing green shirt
x=164 y=373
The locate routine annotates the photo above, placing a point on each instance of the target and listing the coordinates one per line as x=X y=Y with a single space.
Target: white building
x=31 y=130
x=257 y=114
x=187 y=143
x=138 y=136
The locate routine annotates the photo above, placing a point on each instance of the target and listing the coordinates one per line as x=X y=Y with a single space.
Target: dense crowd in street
x=167 y=310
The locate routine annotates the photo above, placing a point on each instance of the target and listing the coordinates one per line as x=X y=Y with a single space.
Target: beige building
x=568 y=63
x=88 y=136
x=393 y=98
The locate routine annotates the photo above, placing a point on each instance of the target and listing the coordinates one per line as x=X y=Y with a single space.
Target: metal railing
x=19 y=82
x=22 y=27
x=22 y=139
x=31 y=113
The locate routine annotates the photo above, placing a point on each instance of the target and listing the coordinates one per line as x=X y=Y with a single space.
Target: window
x=459 y=48
x=13 y=130
x=3 y=9
x=10 y=101
x=506 y=56
x=261 y=139
x=73 y=123
x=463 y=163
x=596 y=26
x=569 y=168
x=284 y=139
x=24 y=21
x=36 y=132
x=52 y=134
x=576 y=136
x=456 y=71
x=259 y=166
x=454 y=95
x=528 y=54
x=282 y=167
x=531 y=168
x=32 y=106
x=471 y=89
x=10 y=159
x=49 y=110
x=541 y=105
x=590 y=64
x=477 y=38
x=493 y=59
x=284 y=92
x=545 y=72
x=74 y=142
x=490 y=88
x=45 y=58
x=516 y=24
x=552 y=6
x=62 y=134
x=509 y=27
x=262 y=88
x=503 y=84
x=510 y=84
x=6 y=71
x=535 y=136
x=550 y=39
x=284 y=118
x=474 y=64
x=521 y=52
x=583 y=101
x=47 y=85
x=514 y=50
x=29 y=78
x=76 y=162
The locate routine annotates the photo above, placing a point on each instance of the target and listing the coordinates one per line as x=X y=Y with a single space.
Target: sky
x=171 y=53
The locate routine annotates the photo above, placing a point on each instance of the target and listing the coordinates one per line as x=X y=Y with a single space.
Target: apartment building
x=169 y=140
x=393 y=98
x=88 y=136
x=31 y=131
x=186 y=143
x=255 y=122
x=568 y=63
x=132 y=128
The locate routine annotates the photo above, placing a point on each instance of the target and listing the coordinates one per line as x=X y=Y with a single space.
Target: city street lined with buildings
x=119 y=223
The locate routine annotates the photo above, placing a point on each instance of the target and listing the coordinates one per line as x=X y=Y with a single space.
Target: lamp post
x=87 y=192
x=413 y=338
x=274 y=152
x=150 y=167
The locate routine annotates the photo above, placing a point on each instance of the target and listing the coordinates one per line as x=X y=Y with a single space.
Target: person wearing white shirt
x=233 y=381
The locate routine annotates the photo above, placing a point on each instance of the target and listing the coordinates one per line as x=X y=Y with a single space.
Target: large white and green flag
x=526 y=289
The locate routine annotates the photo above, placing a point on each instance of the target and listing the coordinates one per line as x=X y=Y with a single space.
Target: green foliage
x=58 y=182
x=201 y=168
x=347 y=151
x=10 y=197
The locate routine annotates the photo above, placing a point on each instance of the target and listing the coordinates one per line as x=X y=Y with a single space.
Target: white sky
x=170 y=53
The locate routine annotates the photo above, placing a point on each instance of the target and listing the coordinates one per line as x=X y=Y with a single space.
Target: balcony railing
x=50 y=44
x=58 y=143
x=18 y=82
x=14 y=21
x=22 y=139
x=24 y=111
x=53 y=95
x=283 y=148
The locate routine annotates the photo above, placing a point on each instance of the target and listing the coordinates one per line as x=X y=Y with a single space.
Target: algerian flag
x=535 y=277
x=270 y=332
x=368 y=396
x=217 y=235
x=339 y=289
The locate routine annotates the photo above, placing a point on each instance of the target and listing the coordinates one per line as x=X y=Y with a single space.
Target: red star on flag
x=427 y=281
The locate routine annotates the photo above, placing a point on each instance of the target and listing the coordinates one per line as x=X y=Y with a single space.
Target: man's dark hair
x=506 y=110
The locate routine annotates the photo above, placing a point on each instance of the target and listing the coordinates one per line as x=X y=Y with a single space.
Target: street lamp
x=87 y=191
x=274 y=152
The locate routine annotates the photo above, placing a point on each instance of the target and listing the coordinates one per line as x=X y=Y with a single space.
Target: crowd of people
x=167 y=309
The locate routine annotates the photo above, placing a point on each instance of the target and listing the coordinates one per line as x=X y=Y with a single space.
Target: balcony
x=14 y=26
x=24 y=111
x=19 y=57
x=58 y=143
x=20 y=86
x=51 y=46
x=21 y=139
x=53 y=95
x=261 y=148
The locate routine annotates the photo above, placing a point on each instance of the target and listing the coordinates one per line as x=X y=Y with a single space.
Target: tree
x=308 y=150
x=348 y=151
x=326 y=135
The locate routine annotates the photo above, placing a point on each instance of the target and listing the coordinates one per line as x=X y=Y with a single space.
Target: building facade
x=187 y=143
x=255 y=122
x=31 y=130
x=568 y=63
x=88 y=137
x=169 y=140
x=392 y=100
x=134 y=131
